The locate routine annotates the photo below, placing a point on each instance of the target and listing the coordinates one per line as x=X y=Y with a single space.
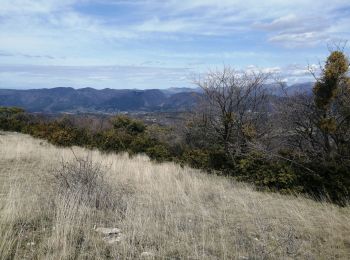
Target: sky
x=148 y=44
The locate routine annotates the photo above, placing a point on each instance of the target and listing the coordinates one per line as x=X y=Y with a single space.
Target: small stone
x=110 y=235
x=108 y=231
x=147 y=254
x=113 y=239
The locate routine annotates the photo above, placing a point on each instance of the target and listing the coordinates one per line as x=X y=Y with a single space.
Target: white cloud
x=10 y=7
x=156 y=25
x=301 y=39
x=303 y=20
x=291 y=73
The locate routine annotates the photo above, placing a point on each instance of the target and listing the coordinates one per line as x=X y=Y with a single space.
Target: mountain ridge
x=68 y=99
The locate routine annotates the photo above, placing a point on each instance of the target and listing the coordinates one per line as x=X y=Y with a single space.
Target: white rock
x=108 y=231
x=113 y=239
x=110 y=235
x=147 y=254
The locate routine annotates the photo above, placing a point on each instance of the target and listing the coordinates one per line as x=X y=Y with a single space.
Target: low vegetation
x=54 y=200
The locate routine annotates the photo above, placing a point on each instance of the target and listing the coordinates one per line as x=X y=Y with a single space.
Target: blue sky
x=161 y=43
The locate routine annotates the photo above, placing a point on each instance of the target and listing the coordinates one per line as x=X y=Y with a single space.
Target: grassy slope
x=164 y=209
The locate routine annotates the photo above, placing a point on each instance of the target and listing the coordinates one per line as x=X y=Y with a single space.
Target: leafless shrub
x=85 y=179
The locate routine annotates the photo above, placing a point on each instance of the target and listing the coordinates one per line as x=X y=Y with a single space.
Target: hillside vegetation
x=49 y=209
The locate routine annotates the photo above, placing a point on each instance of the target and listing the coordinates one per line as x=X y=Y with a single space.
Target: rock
x=110 y=235
x=108 y=231
x=147 y=255
x=113 y=239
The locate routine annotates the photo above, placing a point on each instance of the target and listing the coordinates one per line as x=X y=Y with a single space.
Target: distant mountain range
x=62 y=99
x=56 y=100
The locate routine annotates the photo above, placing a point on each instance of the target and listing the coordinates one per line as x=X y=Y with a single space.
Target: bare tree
x=234 y=108
x=299 y=124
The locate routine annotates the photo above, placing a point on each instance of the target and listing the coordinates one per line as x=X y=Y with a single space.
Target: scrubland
x=50 y=208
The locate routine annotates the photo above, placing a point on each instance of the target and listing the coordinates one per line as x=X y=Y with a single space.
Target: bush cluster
x=327 y=179
x=124 y=135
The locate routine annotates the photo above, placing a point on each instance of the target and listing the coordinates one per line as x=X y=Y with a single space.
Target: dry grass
x=170 y=212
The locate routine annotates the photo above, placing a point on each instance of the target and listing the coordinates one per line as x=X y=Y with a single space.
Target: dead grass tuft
x=86 y=180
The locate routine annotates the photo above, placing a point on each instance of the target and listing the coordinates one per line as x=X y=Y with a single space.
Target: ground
x=161 y=211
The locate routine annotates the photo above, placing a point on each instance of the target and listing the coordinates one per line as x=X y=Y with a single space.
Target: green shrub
x=158 y=152
x=330 y=179
x=62 y=137
x=218 y=160
x=12 y=119
x=129 y=125
x=111 y=141
x=140 y=144
x=274 y=175
x=196 y=158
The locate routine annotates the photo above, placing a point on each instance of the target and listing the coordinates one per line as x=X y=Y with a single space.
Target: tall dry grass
x=162 y=209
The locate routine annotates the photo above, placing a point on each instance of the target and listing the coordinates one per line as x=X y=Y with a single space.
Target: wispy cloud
x=23 y=55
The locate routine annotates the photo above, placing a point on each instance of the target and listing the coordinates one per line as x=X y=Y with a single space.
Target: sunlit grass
x=168 y=211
